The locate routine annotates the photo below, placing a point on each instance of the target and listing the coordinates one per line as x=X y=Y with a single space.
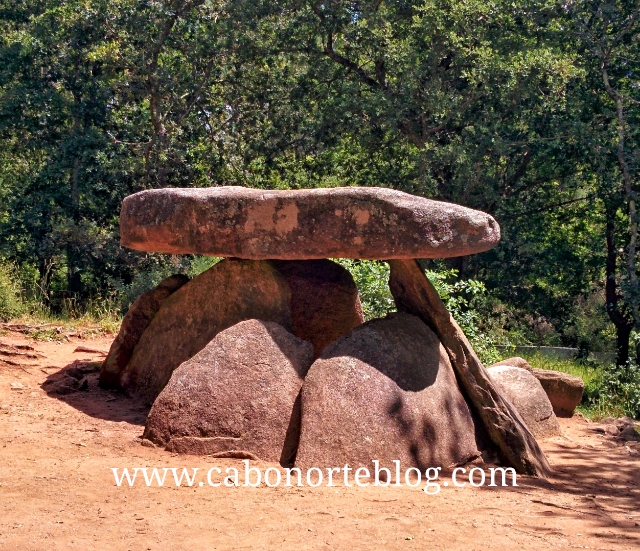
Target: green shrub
x=621 y=387
x=372 y=279
x=461 y=298
x=11 y=301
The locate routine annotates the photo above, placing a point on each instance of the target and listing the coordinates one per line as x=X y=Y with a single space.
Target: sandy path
x=57 y=490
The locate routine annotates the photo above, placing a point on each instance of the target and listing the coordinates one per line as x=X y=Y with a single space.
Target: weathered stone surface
x=526 y=394
x=353 y=222
x=623 y=429
x=316 y=300
x=324 y=300
x=227 y=293
x=516 y=361
x=133 y=326
x=236 y=397
x=629 y=434
x=564 y=390
x=415 y=294
x=385 y=392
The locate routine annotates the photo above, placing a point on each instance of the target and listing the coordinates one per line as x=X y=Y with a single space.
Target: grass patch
x=25 y=311
x=589 y=373
x=93 y=319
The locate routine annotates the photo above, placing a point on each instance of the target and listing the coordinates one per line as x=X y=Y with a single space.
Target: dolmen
x=266 y=355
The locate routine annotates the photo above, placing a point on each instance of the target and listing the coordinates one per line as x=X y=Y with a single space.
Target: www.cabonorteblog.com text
x=272 y=477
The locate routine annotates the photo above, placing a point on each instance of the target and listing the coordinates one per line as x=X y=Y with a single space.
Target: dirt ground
x=57 y=490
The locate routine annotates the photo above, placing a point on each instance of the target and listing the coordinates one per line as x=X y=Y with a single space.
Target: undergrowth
x=608 y=391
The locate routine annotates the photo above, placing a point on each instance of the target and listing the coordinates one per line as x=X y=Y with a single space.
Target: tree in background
x=97 y=102
x=607 y=35
x=499 y=106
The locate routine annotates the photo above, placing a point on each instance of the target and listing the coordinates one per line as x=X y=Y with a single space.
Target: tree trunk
x=45 y=270
x=620 y=319
x=73 y=266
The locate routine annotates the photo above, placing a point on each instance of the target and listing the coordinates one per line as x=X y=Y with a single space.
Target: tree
x=608 y=35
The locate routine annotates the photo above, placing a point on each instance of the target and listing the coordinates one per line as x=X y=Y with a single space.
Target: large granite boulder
x=237 y=397
x=526 y=394
x=352 y=222
x=324 y=300
x=316 y=300
x=385 y=392
x=134 y=324
x=563 y=390
x=225 y=294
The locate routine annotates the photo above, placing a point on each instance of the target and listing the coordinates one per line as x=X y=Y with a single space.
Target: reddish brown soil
x=57 y=490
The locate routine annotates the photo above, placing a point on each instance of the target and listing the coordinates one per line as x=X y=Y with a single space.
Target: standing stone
x=564 y=390
x=385 y=392
x=350 y=222
x=237 y=397
x=137 y=319
x=324 y=300
x=225 y=294
x=415 y=294
x=316 y=300
x=526 y=394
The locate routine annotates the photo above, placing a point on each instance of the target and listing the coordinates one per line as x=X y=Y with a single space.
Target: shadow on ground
x=76 y=384
x=599 y=486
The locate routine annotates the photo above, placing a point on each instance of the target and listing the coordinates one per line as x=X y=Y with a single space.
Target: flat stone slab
x=352 y=222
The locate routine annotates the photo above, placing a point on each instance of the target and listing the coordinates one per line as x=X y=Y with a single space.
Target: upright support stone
x=324 y=300
x=415 y=294
x=134 y=324
x=317 y=300
x=229 y=292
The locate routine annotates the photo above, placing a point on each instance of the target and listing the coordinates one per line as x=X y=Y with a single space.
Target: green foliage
x=156 y=269
x=372 y=279
x=589 y=328
x=621 y=388
x=11 y=301
x=500 y=106
x=199 y=264
x=461 y=298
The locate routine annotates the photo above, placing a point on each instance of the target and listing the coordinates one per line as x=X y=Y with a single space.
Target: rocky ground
x=60 y=435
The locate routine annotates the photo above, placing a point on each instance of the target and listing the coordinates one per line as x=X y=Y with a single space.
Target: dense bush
x=463 y=299
x=11 y=301
x=460 y=298
x=618 y=389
